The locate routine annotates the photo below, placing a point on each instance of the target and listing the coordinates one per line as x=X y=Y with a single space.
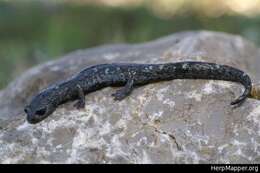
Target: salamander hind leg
x=80 y=104
x=125 y=91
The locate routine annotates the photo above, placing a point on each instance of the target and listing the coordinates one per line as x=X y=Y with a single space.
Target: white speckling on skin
x=146 y=69
x=95 y=69
x=133 y=72
x=184 y=66
x=161 y=67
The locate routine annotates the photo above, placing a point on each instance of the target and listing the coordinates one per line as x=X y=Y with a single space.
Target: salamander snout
x=41 y=106
x=30 y=118
x=35 y=116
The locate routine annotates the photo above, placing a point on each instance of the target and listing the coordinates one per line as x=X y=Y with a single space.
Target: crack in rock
x=157 y=130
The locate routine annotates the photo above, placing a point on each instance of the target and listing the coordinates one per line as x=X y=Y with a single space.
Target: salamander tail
x=248 y=87
x=239 y=100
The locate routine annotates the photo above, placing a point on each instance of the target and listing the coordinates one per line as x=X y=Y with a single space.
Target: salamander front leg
x=80 y=104
x=125 y=91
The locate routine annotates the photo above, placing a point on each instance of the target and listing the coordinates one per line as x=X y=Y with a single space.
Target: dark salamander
x=128 y=76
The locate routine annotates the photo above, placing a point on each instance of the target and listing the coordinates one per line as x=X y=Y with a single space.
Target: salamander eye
x=26 y=110
x=41 y=111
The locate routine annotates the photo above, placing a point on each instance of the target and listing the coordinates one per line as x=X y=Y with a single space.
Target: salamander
x=128 y=75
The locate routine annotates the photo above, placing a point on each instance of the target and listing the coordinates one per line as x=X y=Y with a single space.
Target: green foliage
x=33 y=33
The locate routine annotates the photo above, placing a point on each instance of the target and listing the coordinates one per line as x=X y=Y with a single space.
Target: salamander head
x=40 y=107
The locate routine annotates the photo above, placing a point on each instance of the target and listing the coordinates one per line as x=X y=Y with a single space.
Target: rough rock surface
x=180 y=121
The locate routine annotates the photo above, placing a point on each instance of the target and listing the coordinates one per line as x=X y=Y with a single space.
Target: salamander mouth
x=36 y=117
x=33 y=119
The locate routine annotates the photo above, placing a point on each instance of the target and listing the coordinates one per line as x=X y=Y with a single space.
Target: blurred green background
x=32 y=32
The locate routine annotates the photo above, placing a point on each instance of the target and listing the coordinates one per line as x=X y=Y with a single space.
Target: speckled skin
x=127 y=75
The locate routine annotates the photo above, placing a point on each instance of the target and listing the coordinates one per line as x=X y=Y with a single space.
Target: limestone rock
x=180 y=121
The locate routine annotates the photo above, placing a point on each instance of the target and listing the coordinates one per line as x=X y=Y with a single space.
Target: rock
x=180 y=121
